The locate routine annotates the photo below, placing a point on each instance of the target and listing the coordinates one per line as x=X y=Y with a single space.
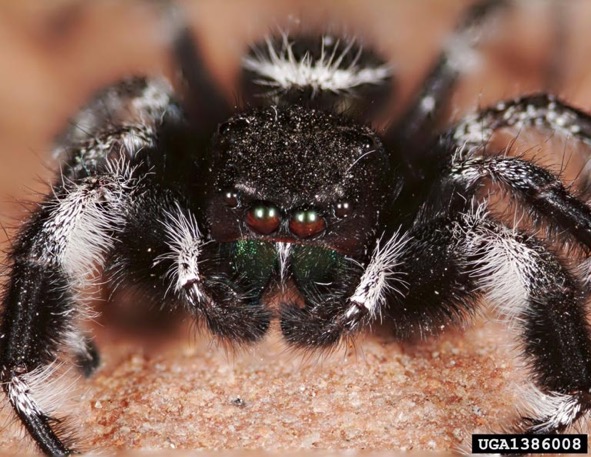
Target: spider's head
x=297 y=175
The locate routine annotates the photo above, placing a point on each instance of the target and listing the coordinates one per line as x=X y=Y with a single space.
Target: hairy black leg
x=106 y=155
x=542 y=191
x=29 y=337
x=340 y=296
x=457 y=57
x=452 y=262
x=138 y=121
x=204 y=102
x=55 y=254
x=438 y=291
x=135 y=105
x=164 y=252
x=538 y=111
x=529 y=285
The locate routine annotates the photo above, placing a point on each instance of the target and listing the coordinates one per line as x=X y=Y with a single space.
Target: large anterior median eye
x=263 y=218
x=306 y=223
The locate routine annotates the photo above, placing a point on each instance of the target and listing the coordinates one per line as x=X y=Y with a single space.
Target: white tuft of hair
x=184 y=239
x=281 y=69
x=381 y=277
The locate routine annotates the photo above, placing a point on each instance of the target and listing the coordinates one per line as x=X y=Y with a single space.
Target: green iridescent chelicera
x=256 y=261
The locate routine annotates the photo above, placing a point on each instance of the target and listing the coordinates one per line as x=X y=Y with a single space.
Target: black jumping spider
x=291 y=208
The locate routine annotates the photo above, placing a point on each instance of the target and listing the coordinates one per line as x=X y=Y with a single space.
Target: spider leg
x=451 y=262
x=538 y=110
x=204 y=102
x=531 y=287
x=106 y=164
x=544 y=194
x=437 y=88
x=87 y=357
x=56 y=252
x=118 y=220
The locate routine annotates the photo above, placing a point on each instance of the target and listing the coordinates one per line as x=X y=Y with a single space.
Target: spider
x=292 y=209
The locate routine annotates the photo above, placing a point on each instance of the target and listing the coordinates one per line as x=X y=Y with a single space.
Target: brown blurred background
x=178 y=390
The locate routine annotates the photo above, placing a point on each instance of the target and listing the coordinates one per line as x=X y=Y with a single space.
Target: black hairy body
x=212 y=208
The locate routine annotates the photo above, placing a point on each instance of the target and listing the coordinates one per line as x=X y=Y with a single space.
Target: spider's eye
x=232 y=125
x=231 y=198
x=306 y=223
x=368 y=142
x=263 y=218
x=342 y=209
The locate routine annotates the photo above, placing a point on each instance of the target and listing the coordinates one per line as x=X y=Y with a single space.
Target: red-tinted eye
x=306 y=223
x=263 y=218
x=342 y=209
x=231 y=198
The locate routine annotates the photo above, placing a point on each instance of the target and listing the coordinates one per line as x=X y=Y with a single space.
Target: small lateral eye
x=263 y=218
x=231 y=198
x=306 y=223
x=232 y=125
x=342 y=209
x=368 y=142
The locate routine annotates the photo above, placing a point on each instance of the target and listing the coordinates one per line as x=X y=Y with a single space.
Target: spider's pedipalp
x=184 y=239
x=163 y=251
x=348 y=300
x=382 y=278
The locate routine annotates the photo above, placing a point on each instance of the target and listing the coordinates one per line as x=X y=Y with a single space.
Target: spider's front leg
x=535 y=112
x=69 y=237
x=452 y=262
x=62 y=243
x=531 y=287
x=118 y=158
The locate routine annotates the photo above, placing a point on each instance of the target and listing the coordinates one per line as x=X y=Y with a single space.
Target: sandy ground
x=170 y=388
